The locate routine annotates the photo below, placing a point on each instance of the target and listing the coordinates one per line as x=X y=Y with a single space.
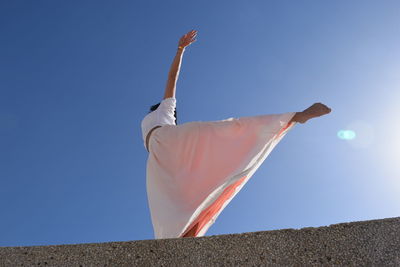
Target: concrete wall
x=365 y=243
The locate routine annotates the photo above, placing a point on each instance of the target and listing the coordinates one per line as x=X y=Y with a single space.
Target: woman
x=194 y=169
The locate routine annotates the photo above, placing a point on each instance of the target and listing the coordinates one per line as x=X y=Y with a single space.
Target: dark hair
x=154 y=107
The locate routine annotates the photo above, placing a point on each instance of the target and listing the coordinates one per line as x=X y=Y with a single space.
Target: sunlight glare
x=365 y=134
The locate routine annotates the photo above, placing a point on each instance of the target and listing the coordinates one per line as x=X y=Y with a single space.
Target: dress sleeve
x=167 y=106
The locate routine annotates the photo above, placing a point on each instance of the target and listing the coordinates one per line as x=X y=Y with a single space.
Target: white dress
x=196 y=168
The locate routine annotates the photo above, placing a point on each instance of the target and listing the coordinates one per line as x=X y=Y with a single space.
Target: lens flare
x=346 y=134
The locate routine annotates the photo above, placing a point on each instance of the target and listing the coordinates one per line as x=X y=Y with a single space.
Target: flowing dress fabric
x=196 y=168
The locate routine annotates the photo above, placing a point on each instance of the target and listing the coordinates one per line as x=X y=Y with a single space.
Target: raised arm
x=173 y=74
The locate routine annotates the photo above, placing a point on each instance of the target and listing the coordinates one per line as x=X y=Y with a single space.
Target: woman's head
x=154 y=107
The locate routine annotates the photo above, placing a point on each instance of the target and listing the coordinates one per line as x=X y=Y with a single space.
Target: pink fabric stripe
x=284 y=128
x=207 y=214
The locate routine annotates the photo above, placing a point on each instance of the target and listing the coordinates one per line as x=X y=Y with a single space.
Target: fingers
x=188 y=38
x=190 y=35
x=193 y=35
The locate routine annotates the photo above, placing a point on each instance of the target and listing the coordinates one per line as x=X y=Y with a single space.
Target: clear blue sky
x=77 y=77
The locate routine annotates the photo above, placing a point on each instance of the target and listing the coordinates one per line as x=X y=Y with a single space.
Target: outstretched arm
x=173 y=74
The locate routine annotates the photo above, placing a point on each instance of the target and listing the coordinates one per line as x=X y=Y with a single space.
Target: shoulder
x=169 y=102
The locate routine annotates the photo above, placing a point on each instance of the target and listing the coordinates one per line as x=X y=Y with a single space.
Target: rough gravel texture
x=364 y=243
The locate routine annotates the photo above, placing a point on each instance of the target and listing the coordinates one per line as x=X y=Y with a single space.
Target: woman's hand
x=188 y=38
